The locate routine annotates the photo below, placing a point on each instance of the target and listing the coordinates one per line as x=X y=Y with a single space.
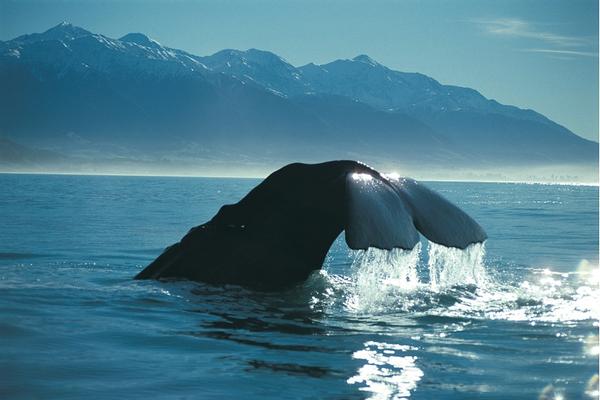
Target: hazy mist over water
x=514 y=318
x=561 y=174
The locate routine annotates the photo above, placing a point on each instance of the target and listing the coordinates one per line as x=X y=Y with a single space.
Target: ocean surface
x=516 y=318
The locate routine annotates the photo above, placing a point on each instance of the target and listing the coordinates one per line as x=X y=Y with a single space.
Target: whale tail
x=388 y=213
x=300 y=210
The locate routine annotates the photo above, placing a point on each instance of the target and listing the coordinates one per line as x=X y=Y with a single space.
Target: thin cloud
x=563 y=52
x=518 y=28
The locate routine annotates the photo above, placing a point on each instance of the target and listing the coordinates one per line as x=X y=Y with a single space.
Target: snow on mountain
x=67 y=47
x=141 y=40
x=360 y=78
x=259 y=67
x=134 y=92
x=63 y=31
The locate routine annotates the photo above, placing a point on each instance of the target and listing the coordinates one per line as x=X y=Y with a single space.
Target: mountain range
x=77 y=101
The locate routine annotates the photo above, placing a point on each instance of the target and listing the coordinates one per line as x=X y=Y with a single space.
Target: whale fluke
x=282 y=229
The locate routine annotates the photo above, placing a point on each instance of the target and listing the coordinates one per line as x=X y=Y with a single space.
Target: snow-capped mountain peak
x=365 y=59
x=140 y=39
x=63 y=32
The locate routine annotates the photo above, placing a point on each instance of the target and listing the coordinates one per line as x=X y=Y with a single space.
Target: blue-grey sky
x=539 y=54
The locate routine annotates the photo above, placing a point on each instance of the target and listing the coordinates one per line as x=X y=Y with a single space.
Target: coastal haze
x=81 y=102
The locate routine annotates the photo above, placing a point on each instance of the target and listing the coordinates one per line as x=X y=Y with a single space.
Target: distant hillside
x=16 y=156
x=90 y=98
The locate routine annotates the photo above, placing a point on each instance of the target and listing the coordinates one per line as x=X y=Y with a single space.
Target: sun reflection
x=592 y=390
x=385 y=374
x=591 y=345
x=551 y=393
x=392 y=176
x=545 y=295
x=588 y=273
x=361 y=177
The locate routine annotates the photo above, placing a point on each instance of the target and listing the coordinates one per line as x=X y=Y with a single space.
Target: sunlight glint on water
x=385 y=281
x=387 y=374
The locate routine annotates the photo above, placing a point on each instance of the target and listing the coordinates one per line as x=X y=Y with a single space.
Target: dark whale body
x=282 y=229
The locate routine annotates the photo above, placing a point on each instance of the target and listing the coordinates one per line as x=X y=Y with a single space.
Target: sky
x=539 y=54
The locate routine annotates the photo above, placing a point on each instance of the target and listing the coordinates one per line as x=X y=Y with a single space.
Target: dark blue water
x=516 y=319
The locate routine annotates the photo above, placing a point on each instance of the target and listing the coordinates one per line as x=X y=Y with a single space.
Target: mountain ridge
x=133 y=93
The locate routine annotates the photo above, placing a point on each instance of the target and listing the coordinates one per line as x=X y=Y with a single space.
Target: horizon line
x=134 y=175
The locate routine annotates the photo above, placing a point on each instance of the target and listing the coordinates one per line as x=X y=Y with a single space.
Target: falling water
x=449 y=266
x=381 y=276
x=377 y=273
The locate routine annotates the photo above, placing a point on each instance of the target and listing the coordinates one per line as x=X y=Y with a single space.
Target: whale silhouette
x=282 y=229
